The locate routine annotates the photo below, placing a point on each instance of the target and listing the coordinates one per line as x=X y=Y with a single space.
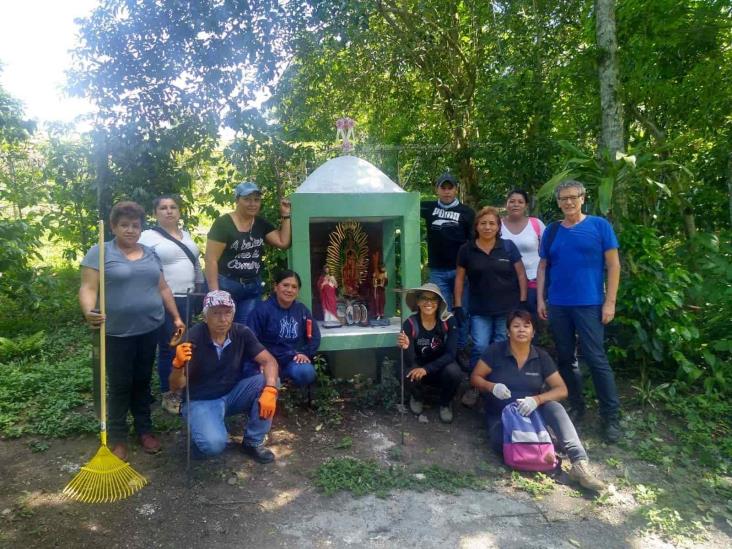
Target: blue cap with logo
x=245 y=189
x=446 y=179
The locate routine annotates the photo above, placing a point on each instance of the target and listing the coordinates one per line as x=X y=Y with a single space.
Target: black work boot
x=612 y=430
x=260 y=453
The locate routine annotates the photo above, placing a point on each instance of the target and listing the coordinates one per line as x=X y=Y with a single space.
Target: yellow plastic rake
x=105 y=478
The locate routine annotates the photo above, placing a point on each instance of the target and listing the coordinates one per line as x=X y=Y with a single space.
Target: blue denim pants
x=301 y=374
x=208 y=430
x=245 y=296
x=567 y=323
x=445 y=280
x=165 y=352
x=485 y=329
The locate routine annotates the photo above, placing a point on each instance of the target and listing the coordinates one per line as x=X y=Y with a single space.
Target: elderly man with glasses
x=575 y=254
x=214 y=352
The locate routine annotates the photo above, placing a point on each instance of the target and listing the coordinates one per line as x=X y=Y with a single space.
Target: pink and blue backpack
x=527 y=445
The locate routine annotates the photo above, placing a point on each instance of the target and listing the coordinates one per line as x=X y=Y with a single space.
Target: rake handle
x=102 y=342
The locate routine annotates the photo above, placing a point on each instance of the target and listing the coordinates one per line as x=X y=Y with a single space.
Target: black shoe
x=612 y=431
x=260 y=453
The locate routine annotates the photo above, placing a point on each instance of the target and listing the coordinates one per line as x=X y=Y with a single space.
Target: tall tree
x=611 y=108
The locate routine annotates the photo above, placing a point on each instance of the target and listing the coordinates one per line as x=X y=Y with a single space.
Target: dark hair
x=287 y=273
x=519 y=313
x=519 y=192
x=487 y=210
x=174 y=197
x=126 y=208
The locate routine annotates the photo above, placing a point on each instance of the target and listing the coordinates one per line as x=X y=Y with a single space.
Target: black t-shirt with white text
x=447 y=230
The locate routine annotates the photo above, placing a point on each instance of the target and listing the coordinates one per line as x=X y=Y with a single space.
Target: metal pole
x=188 y=394
x=402 y=408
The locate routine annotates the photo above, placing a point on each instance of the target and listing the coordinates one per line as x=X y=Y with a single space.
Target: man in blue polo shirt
x=215 y=351
x=579 y=303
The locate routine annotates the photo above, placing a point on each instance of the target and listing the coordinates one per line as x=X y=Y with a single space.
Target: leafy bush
x=655 y=330
x=49 y=394
x=19 y=347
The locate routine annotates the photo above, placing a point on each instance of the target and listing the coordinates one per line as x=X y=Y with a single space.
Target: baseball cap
x=446 y=177
x=245 y=189
x=218 y=298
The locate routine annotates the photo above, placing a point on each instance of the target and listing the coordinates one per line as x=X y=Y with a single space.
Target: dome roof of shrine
x=348 y=175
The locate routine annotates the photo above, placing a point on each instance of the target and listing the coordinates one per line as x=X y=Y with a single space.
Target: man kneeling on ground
x=215 y=350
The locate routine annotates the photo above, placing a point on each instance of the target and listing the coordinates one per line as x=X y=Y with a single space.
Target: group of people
x=236 y=358
x=501 y=276
x=492 y=279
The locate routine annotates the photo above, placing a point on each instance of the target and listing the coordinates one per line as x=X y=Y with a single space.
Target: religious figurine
x=349 y=274
x=379 y=281
x=327 y=285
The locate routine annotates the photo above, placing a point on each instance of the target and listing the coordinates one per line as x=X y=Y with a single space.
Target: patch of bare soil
x=233 y=502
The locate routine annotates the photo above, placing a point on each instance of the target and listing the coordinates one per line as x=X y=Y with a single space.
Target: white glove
x=526 y=405
x=501 y=392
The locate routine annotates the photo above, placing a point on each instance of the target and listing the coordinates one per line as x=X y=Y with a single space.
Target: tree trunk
x=611 y=135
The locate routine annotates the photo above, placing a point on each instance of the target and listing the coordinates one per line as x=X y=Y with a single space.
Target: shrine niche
x=355 y=238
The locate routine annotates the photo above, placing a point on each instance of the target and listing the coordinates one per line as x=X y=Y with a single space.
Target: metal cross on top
x=345 y=127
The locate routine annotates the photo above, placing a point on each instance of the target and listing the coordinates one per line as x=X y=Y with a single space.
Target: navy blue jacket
x=282 y=331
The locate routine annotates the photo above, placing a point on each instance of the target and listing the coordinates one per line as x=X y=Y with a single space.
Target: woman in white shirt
x=526 y=233
x=182 y=272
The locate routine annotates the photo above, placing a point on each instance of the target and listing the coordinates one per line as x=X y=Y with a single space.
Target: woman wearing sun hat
x=429 y=340
x=235 y=248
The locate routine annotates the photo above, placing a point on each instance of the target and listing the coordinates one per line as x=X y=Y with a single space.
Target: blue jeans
x=445 y=280
x=566 y=324
x=165 y=352
x=485 y=329
x=246 y=296
x=301 y=375
x=208 y=430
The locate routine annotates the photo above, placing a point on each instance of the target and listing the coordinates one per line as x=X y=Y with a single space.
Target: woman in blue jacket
x=287 y=329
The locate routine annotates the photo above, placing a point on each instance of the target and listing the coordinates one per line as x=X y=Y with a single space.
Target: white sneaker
x=446 y=413
x=470 y=397
x=415 y=405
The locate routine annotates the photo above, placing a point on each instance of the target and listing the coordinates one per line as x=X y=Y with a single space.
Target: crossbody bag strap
x=186 y=250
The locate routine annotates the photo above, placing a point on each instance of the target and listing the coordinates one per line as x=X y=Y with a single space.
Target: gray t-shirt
x=134 y=304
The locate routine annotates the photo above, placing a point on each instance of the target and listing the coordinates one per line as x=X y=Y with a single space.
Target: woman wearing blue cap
x=235 y=245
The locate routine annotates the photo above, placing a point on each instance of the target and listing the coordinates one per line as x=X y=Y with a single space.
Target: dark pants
x=566 y=324
x=448 y=380
x=555 y=416
x=129 y=369
x=246 y=295
x=165 y=352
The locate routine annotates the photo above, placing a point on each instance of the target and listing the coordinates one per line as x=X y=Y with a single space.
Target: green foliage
x=21 y=347
x=655 y=329
x=49 y=394
x=385 y=394
x=368 y=477
x=536 y=484
x=670 y=525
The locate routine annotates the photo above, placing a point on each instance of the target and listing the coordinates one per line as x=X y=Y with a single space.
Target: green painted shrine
x=343 y=189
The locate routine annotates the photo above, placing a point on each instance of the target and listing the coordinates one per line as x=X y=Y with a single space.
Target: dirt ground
x=233 y=502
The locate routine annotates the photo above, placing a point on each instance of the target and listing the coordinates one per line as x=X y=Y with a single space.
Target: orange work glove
x=268 y=402
x=183 y=353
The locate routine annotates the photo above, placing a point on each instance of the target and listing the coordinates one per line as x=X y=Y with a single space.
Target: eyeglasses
x=429 y=298
x=570 y=198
